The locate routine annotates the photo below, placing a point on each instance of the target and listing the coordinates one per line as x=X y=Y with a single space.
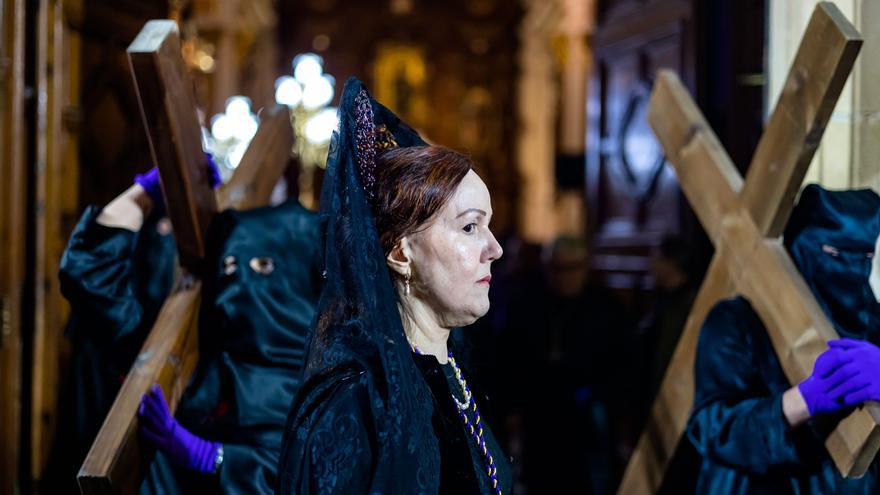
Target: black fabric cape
x=115 y=281
x=737 y=422
x=258 y=302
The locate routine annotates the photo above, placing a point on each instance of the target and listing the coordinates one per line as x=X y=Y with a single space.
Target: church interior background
x=549 y=97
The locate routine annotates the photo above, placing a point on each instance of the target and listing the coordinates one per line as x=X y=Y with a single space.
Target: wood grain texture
x=117 y=462
x=720 y=198
x=762 y=271
x=50 y=308
x=13 y=190
x=820 y=68
x=168 y=109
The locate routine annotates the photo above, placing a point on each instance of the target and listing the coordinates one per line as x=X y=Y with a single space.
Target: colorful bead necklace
x=476 y=429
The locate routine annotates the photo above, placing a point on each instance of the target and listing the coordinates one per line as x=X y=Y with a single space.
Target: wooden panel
x=633 y=200
x=263 y=163
x=169 y=113
x=12 y=227
x=51 y=310
x=116 y=463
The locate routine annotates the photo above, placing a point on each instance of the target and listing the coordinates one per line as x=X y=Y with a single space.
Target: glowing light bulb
x=307 y=67
x=244 y=127
x=319 y=129
x=238 y=106
x=288 y=91
x=221 y=127
x=317 y=93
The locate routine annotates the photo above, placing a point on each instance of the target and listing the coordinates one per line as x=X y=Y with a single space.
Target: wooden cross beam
x=262 y=164
x=116 y=462
x=740 y=218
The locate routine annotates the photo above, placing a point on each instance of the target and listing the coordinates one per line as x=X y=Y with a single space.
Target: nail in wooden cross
x=744 y=222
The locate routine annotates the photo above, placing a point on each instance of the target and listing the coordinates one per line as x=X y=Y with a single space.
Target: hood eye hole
x=262 y=265
x=230 y=265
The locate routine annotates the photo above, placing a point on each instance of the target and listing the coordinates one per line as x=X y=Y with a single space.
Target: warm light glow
x=205 y=62
x=221 y=127
x=318 y=92
x=244 y=127
x=307 y=67
x=288 y=91
x=236 y=154
x=319 y=129
x=238 y=106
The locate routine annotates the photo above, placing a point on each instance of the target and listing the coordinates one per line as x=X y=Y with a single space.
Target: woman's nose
x=494 y=250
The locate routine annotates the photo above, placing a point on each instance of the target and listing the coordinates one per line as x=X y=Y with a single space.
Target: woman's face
x=451 y=258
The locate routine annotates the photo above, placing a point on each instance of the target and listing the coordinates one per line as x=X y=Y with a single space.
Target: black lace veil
x=358 y=332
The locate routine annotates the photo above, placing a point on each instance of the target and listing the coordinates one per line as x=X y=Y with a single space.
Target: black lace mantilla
x=358 y=346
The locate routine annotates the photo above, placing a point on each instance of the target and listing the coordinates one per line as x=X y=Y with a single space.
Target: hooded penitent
x=737 y=422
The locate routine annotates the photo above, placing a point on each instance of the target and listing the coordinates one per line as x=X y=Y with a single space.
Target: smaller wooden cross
x=744 y=221
x=263 y=162
x=116 y=463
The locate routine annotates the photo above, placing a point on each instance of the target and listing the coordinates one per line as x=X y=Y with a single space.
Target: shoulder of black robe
x=335 y=445
x=258 y=301
x=115 y=281
x=358 y=328
x=737 y=422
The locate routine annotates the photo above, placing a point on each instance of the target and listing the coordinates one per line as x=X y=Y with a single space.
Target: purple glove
x=821 y=390
x=150 y=182
x=864 y=364
x=153 y=187
x=159 y=427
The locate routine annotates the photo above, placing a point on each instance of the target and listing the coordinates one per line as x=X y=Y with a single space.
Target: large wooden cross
x=744 y=221
x=116 y=462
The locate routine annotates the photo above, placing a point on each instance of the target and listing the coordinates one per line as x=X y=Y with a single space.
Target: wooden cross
x=744 y=222
x=116 y=463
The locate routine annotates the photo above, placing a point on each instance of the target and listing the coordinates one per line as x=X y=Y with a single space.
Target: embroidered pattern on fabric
x=365 y=140
x=370 y=140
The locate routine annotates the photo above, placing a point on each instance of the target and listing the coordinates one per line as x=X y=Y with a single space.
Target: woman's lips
x=485 y=280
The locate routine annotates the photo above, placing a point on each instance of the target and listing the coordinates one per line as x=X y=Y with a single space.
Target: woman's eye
x=470 y=227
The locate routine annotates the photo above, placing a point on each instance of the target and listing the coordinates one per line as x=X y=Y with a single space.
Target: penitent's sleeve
x=736 y=421
x=96 y=279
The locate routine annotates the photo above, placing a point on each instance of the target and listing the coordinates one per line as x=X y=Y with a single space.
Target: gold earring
x=406 y=283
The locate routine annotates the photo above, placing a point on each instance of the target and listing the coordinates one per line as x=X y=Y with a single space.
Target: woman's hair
x=412 y=186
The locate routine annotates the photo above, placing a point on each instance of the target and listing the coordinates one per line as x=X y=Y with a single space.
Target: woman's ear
x=399 y=258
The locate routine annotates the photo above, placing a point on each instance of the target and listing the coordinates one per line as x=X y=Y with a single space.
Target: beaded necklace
x=476 y=429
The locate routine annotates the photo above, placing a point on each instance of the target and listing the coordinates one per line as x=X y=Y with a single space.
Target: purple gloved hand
x=182 y=448
x=153 y=187
x=822 y=389
x=864 y=364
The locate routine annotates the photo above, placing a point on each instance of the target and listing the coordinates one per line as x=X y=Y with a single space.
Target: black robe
x=252 y=338
x=115 y=281
x=337 y=456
